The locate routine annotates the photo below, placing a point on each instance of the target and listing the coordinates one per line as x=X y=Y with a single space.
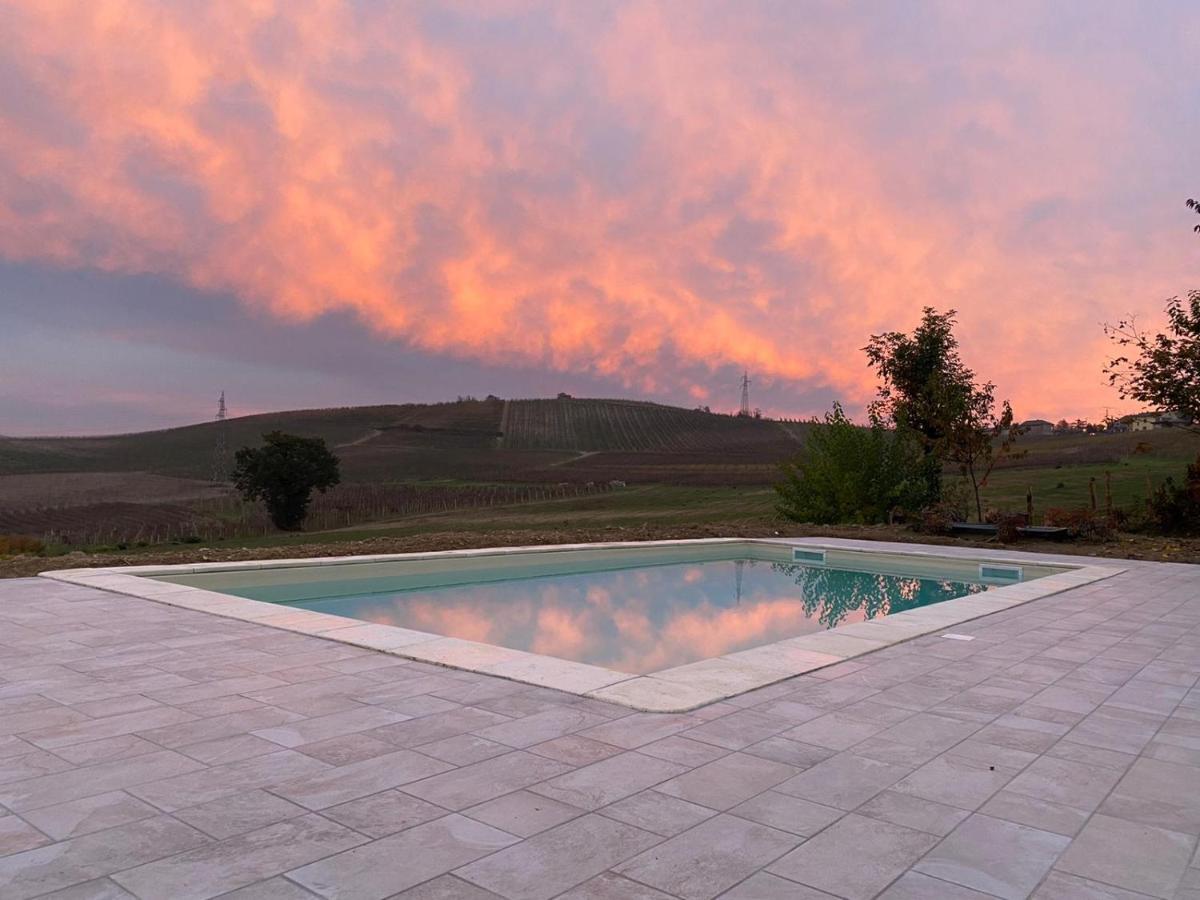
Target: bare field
x=225 y=517
x=82 y=488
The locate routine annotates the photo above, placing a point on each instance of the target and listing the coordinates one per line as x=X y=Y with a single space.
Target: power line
x=745 y=407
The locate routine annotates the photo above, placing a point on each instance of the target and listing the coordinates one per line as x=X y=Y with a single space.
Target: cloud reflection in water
x=648 y=619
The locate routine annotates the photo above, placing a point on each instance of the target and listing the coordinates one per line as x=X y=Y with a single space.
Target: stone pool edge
x=679 y=689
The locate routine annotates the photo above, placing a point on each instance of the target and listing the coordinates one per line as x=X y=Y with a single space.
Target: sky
x=338 y=203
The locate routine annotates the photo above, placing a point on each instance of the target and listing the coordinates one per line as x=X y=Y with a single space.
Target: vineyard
x=628 y=425
x=229 y=517
x=731 y=468
x=187 y=451
x=526 y=441
x=82 y=488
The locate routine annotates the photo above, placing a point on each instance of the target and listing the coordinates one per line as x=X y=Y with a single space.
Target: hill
x=562 y=440
x=479 y=461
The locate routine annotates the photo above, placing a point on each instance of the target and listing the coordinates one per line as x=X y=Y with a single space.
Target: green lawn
x=1131 y=481
x=632 y=506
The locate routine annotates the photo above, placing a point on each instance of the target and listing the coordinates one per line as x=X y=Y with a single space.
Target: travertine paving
x=156 y=752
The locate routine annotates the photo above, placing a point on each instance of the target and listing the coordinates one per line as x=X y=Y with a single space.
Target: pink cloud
x=607 y=188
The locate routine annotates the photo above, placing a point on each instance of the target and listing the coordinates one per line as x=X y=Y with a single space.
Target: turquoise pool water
x=635 y=612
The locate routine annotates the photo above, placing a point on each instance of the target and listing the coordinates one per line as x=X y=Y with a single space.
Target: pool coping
x=678 y=689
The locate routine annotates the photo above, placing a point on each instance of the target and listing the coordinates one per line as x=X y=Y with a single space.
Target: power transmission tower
x=745 y=407
x=220 y=463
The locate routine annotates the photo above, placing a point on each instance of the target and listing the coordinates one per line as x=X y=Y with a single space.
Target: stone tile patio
x=156 y=752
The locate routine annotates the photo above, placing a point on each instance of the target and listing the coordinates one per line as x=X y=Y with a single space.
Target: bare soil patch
x=86 y=488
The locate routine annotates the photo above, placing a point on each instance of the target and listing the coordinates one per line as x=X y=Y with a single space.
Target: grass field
x=653 y=512
x=1130 y=480
x=1063 y=471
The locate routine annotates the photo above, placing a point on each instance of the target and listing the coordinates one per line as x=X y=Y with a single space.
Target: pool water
x=635 y=613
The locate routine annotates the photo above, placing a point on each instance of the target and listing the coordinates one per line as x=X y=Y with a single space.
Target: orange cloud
x=640 y=189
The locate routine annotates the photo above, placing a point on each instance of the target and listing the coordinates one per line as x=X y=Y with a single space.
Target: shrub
x=20 y=545
x=937 y=518
x=1175 y=508
x=1007 y=524
x=848 y=473
x=1082 y=522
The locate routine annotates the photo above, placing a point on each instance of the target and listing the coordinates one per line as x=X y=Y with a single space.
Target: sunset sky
x=334 y=203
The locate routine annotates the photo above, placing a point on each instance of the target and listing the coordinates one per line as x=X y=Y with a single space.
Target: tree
x=1195 y=205
x=1161 y=370
x=928 y=390
x=973 y=432
x=847 y=473
x=283 y=474
x=918 y=372
x=926 y=387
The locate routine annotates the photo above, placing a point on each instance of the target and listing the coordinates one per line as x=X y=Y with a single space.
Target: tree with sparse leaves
x=1161 y=370
x=1195 y=206
x=978 y=436
x=283 y=473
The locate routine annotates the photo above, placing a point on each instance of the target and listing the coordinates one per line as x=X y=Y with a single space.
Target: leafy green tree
x=927 y=390
x=283 y=473
x=1161 y=370
x=847 y=473
x=922 y=378
x=1195 y=205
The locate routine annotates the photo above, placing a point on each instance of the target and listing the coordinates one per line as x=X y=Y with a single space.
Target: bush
x=1175 y=508
x=953 y=506
x=848 y=473
x=1007 y=524
x=20 y=545
x=938 y=517
x=1081 y=522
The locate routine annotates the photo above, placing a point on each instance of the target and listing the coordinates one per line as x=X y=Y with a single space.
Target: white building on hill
x=1153 y=420
x=1036 y=427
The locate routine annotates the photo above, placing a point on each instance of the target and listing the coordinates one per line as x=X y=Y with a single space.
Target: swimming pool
x=635 y=611
x=660 y=626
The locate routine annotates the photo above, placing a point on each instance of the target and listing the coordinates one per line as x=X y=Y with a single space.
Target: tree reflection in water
x=829 y=595
x=639 y=619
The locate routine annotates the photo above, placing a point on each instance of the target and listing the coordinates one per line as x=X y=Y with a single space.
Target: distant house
x=1153 y=420
x=1144 y=422
x=563 y=395
x=1037 y=427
